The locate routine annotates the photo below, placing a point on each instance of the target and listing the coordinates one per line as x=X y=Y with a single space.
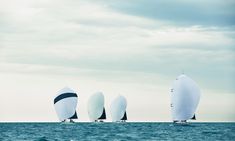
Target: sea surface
x=116 y=131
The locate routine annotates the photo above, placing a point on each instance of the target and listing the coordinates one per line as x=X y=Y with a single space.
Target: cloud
x=181 y=12
x=97 y=39
x=94 y=36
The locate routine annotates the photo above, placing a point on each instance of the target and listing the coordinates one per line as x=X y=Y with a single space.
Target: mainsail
x=103 y=116
x=185 y=96
x=118 y=109
x=194 y=117
x=65 y=104
x=96 y=110
x=124 y=117
x=74 y=116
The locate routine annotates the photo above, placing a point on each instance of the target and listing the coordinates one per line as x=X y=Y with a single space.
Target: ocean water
x=116 y=131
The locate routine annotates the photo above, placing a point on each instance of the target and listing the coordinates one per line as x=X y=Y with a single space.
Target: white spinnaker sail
x=95 y=106
x=185 y=96
x=65 y=104
x=118 y=108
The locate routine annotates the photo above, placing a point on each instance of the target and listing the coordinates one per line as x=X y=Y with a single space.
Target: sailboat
x=65 y=104
x=96 y=110
x=118 y=109
x=185 y=96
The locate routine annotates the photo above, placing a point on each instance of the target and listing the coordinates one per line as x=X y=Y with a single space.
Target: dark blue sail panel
x=124 y=117
x=103 y=116
x=65 y=95
x=194 y=117
x=74 y=116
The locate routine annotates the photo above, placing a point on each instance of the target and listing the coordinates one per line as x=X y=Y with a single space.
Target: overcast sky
x=133 y=48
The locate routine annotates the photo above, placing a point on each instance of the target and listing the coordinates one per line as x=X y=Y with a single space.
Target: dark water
x=116 y=131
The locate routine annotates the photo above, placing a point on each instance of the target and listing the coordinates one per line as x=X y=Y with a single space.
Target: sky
x=133 y=48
